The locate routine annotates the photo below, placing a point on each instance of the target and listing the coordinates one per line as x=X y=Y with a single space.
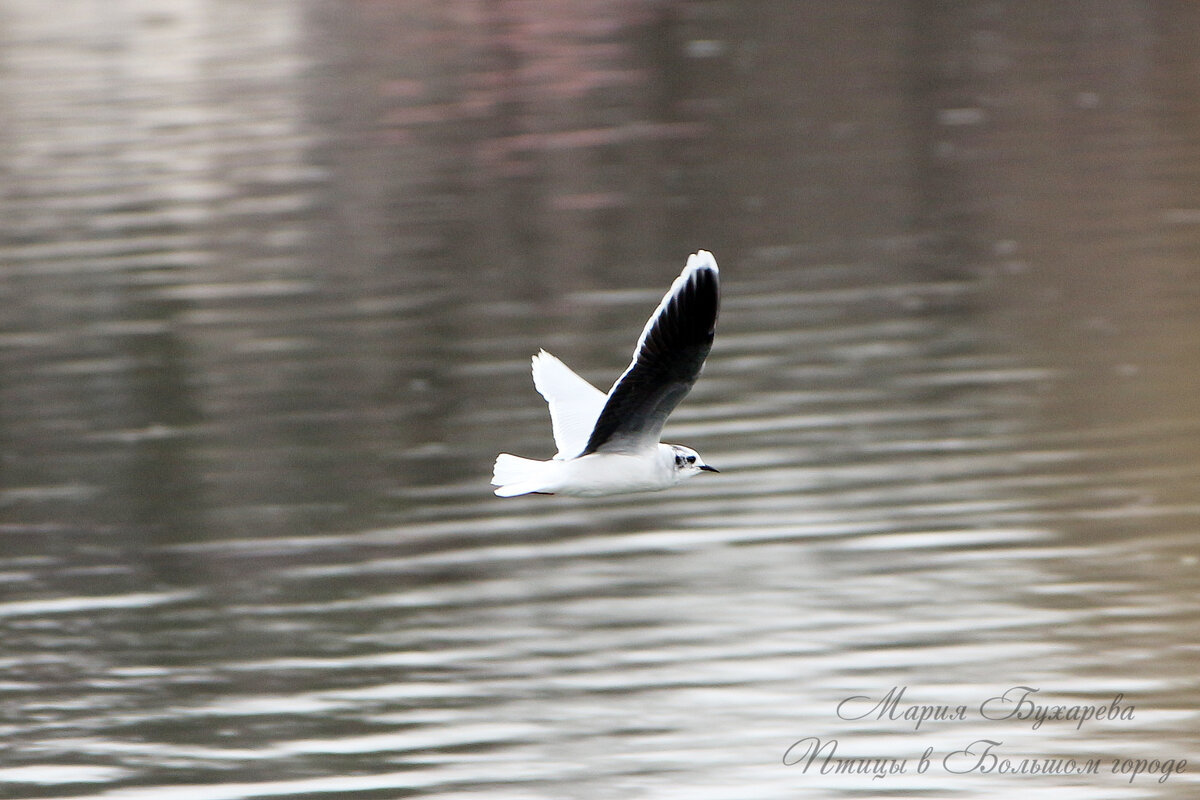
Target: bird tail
x=514 y=475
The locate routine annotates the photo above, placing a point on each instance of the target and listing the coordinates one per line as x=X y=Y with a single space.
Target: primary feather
x=666 y=361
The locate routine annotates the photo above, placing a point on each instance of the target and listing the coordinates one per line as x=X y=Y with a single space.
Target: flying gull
x=609 y=444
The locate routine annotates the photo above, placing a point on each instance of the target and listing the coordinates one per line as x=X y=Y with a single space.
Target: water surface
x=272 y=274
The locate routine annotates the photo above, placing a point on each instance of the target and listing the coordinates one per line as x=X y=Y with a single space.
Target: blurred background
x=271 y=273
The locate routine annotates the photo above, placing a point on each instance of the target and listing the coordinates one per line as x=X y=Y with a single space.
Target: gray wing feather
x=666 y=362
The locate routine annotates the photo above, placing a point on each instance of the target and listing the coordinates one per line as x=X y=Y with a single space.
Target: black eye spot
x=691 y=459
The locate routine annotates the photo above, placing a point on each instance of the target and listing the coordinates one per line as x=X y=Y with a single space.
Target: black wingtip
x=667 y=361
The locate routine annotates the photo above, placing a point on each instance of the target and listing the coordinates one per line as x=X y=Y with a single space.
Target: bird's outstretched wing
x=666 y=362
x=574 y=403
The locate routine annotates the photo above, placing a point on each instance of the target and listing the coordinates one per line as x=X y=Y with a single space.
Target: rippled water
x=272 y=274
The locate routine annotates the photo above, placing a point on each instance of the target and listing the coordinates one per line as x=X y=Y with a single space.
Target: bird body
x=609 y=443
x=595 y=474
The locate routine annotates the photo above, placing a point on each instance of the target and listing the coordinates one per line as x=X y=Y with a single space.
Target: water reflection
x=273 y=275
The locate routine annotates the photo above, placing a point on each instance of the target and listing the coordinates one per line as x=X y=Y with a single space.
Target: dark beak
x=707 y=468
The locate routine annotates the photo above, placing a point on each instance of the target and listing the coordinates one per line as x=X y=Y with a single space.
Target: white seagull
x=608 y=444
